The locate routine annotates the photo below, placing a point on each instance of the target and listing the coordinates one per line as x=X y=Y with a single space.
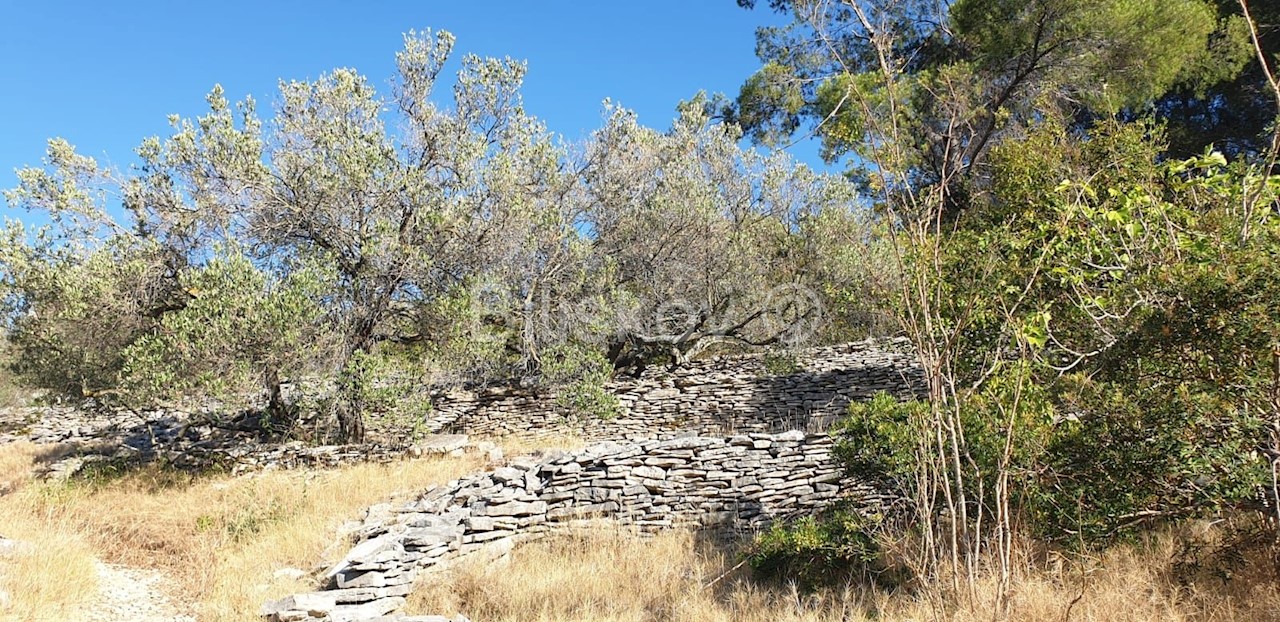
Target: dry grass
x=12 y=393
x=618 y=577
x=517 y=446
x=221 y=539
x=611 y=576
x=50 y=571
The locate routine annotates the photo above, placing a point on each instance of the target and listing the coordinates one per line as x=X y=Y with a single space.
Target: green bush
x=879 y=438
x=13 y=392
x=1132 y=457
x=579 y=374
x=236 y=336
x=882 y=440
x=833 y=548
x=781 y=362
x=1114 y=332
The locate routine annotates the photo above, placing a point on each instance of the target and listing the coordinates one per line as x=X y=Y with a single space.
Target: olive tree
x=707 y=241
x=239 y=328
x=127 y=315
x=350 y=228
x=401 y=219
x=386 y=224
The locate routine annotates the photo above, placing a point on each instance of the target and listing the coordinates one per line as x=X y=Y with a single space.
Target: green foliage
x=1133 y=456
x=781 y=363
x=922 y=91
x=470 y=340
x=1176 y=404
x=236 y=336
x=579 y=375
x=880 y=439
x=770 y=104
x=821 y=550
x=884 y=440
x=851 y=102
x=1139 y=50
x=73 y=310
x=363 y=381
x=1136 y=298
x=1231 y=113
x=740 y=254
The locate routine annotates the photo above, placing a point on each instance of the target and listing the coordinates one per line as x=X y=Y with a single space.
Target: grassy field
x=222 y=540
x=617 y=577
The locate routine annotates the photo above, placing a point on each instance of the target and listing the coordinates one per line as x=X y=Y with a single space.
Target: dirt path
x=132 y=595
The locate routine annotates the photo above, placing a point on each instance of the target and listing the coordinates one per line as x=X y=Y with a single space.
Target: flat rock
x=436 y=444
x=289 y=573
x=363 y=612
x=359 y=595
x=364 y=550
x=314 y=603
x=516 y=508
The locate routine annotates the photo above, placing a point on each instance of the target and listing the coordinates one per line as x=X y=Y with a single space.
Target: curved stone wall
x=736 y=482
x=727 y=395
x=722 y=443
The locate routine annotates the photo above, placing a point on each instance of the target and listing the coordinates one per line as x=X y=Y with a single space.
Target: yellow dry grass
x=606 y=576
x=615 y=576
x=222 y=539
x=48 y=571
x=515 y=445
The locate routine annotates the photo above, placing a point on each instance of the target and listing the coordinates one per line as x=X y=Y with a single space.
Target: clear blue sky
x=104 y=75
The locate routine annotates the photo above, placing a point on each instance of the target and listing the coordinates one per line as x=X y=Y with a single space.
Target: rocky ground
x=124 y=594
x=132 y=595
x=89 y=437
x=81 y=439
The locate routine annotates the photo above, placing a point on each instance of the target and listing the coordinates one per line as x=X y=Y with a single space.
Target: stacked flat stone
x=249 y=457
x=70 y=424
x=736 y=483
x=725 y=395
x=720 y=396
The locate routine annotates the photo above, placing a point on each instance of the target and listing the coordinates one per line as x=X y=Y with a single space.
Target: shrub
x=579 y=374
x=829 y=549
x=781 y=362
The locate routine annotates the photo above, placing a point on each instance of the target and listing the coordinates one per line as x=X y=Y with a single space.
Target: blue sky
x=104 y=75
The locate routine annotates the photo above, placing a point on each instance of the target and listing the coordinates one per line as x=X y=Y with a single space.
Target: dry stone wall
x=738 y=482
x=720 y=396
x=723 y=444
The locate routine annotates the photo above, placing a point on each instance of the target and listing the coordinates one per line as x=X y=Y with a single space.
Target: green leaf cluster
x=580 y=375
x=1113 y=323
x=826 y=550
